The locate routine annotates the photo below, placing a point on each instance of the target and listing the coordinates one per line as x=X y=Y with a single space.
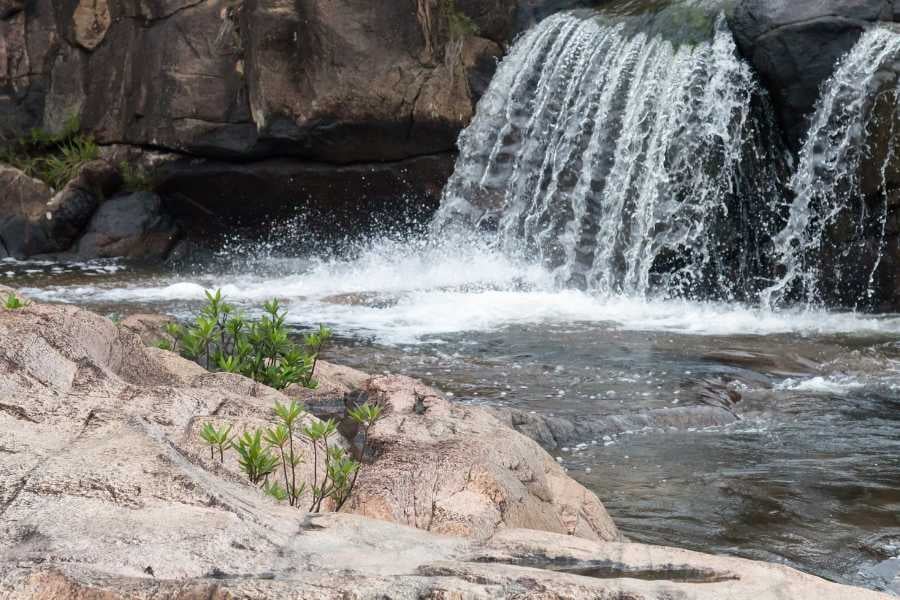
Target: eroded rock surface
x=458 y=470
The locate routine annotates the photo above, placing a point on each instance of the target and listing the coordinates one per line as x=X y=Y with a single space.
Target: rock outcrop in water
x=105 y=492
x=89 y=218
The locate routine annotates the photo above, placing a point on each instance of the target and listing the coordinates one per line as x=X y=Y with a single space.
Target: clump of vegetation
x=135 y=178
x=54 y=158
x=460 y=25
x=221 y=338
x=13 y=302
x=264 y=452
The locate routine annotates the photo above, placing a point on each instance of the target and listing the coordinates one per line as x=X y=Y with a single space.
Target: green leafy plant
x=365 y=416
x=318 y=432
x=216 y=438
x=54 y=158
x=255 y=460
x=221 y=338
x=264 y=452
x=13 y=302
x=282 y=437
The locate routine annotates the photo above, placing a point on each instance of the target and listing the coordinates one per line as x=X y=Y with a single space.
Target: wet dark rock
x=214 y=197
x=328 y=82
x=131 y=226
x=794 y=47
x=35 y=221
x=10 y=7
x=22 y=200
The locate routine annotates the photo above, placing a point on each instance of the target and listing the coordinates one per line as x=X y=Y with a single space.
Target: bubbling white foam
x=415 y=291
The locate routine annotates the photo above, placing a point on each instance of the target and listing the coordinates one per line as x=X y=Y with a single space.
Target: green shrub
x=262 y=452
x=13 y=302
x=220 y=338
x=54 y=158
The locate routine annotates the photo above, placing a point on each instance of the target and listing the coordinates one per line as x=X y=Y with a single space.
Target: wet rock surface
x=133 y=226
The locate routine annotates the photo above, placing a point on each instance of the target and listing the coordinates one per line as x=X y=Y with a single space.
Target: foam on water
x=418 y=291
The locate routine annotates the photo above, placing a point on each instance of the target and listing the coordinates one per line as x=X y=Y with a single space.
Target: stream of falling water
x=623 y=162
x=855 y=120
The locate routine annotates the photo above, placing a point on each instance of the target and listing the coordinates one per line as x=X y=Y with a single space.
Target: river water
x=798 y=464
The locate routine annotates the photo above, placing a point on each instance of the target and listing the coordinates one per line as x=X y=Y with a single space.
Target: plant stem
x=362 y=456
x=325 y=479
x=284 y=470
x=315 y=475
x=294 y=500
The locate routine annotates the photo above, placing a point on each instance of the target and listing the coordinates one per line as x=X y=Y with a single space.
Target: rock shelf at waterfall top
x=106 y=493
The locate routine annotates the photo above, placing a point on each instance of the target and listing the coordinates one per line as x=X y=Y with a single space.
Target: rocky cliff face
x=336 y=82
x=327 y=82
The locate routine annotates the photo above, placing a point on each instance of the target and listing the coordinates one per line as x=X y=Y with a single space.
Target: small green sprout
x=254 y=460
x=216 y=438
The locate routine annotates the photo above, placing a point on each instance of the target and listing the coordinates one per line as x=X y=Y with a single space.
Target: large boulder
x=460 y=471
x=34 y=220
x=106 y=493
x=132 y=226
x=22 y=202
x=794 y=46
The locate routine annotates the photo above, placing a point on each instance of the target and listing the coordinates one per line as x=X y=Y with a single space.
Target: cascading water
x=833 y=242
x=626 y=163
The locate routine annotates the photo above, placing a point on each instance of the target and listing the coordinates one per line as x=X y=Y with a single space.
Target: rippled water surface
x=718 y=427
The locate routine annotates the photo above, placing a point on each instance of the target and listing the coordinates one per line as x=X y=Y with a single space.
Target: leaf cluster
x=54 y=158
x=263 y=452
x=13 y=302
x=222 y=338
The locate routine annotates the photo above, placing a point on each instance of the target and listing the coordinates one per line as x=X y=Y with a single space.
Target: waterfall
x=625 y=162
x=833 y=242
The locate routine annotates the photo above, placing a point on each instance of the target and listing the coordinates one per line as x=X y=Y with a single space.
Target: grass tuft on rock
x=54 y=158
x=136 y=178
x=459 y=23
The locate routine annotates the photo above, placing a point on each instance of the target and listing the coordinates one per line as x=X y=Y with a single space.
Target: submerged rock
x=105 y=492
